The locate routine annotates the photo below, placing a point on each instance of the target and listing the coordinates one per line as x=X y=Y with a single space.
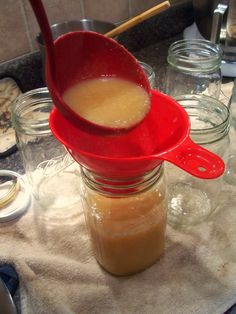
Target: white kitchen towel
x=51 y=251
x=226 y=92
x=59 y=274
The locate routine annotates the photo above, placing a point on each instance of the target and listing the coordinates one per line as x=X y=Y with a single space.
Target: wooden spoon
x=138 y=19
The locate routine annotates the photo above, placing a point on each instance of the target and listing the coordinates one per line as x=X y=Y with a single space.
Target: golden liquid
x=109 y=102
x=128 y=234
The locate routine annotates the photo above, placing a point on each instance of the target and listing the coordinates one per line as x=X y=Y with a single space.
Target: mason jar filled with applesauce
x=126 y=219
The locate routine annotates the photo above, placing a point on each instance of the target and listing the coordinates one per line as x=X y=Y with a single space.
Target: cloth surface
x=226 y=92
x=58 y=273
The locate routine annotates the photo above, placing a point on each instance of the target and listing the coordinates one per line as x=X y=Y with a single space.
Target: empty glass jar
x=150 y=73
x=192 y=200
x=193 y=68
x=126 y=219
x=230 y=173
x=51 y=172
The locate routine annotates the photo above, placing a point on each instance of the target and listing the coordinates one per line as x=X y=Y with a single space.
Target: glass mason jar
x=126 y=219
x=193 y=68
x=150 y=73
x=230 y=173
x=45 y=160
x=191 y=200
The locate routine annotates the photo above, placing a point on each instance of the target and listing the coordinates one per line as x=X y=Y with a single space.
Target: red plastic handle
x=196 y=160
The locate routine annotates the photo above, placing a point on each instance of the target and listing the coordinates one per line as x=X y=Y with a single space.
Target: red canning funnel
x=162 y=135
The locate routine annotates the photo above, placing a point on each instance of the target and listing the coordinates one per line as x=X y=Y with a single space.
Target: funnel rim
x=71 y=148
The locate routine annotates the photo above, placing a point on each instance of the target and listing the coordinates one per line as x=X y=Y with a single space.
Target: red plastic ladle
x=163 y=135
x=81 y=55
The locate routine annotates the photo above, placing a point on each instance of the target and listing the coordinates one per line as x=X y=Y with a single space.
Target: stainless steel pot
x=83 y=24
x=216 y=21
x=76 y=25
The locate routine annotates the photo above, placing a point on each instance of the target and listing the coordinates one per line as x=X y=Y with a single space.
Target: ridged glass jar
x=149 y=71
x=193 y=68
x=126 y=219
x=45 y=160
x=230 y=173
x=192 y=200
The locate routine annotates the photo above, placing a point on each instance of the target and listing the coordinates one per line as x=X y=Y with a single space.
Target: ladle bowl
x=162 y=135
x=84 y=55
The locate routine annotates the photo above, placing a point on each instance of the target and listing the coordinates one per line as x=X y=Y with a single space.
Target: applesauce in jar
x=126 y=220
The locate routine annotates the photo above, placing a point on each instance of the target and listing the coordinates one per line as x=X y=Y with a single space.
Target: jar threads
x=121 y=187
x=194 y=55
x=209 y=118
x=194 y=68
x=149 y=71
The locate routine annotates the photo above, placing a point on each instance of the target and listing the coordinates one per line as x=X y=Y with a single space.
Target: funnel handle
x=196 y=160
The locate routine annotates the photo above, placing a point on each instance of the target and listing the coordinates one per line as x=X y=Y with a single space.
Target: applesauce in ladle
x=109 y=102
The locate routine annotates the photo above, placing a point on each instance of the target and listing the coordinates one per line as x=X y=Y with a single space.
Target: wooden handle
x=138 y=19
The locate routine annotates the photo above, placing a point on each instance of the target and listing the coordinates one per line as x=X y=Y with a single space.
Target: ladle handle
x=196 y=160
x=138 y=19
x=42 y=20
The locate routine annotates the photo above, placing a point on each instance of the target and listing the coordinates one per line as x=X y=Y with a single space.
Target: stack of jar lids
x=14 y=195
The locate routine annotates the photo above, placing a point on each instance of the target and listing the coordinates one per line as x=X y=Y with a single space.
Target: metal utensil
x=57 y=30
x=216 y=21
x=7 y=305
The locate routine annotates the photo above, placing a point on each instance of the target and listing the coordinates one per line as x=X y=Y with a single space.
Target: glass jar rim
x=148 y=69
x=208 y=58
x=121 y=187
x=215 y=132
x=26 y=96
x=25 y=103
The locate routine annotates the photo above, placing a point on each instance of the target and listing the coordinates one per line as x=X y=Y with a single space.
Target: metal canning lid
x=15 y=201
x=8 y=190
